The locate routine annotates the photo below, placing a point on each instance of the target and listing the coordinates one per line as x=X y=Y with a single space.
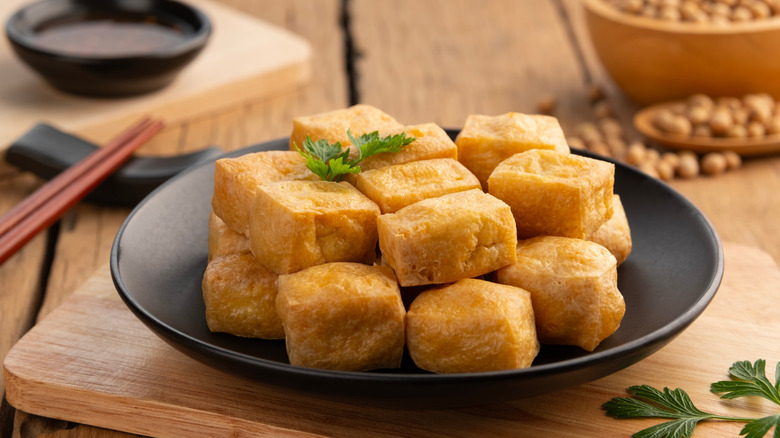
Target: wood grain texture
x=21 y=276
x=440 y=60
x=244 y=59
x=92 y=361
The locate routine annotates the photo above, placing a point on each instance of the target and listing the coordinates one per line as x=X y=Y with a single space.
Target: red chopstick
x=52 y=200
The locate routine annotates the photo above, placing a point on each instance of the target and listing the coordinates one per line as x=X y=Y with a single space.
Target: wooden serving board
x=91 y=361
x=245 y=59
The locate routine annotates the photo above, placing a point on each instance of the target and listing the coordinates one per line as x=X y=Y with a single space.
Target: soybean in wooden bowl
x=654 y=60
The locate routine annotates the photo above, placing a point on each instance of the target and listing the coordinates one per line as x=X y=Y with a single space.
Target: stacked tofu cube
x=328 y=265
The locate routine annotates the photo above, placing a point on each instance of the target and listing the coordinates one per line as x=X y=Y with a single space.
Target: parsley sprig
x=331 y=163
x=675 y=404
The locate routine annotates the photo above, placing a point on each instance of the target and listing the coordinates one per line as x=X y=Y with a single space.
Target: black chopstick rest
x=46 y=151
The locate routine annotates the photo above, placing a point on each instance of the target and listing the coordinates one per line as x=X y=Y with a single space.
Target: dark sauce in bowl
x=102 y=35
x=108 y=48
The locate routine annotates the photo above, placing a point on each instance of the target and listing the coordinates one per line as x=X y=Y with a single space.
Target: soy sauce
x=104 y=35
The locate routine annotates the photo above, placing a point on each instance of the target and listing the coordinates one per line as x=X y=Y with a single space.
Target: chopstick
x=52 y=200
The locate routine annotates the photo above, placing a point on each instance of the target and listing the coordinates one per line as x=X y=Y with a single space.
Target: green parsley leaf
x=749 y=380
x=648 y=402
x=681 y=428
x=322 y=149
x=661 y=404
x=331 y=163
x=319 y=156
x=339 y=167
x=372 y=144
x=759 y=428
x=318 y=167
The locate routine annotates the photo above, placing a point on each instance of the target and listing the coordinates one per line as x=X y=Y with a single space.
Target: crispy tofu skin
x=297 y=224
x=342 y=316
x=240 y=297
x=395 y=187
x=573 y=286
x=445 y=239
x=615 y=234
x=472 y=326
x=223 y=240
x=555 y=194
x=333 y=125
x=236 y=181
x=485 y=141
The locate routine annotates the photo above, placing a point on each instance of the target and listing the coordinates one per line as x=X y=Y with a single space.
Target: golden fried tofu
x=333 y=125
x=445 y=239
x=615 y=234
x=223 y=240
x=573 y=286
x=431 y=141
x=342 y=316
x=236 y=181
x=240 y=297
x=486 y=141
x=395 y=187
x=472 y=326
x=555 y=194
x=297 y=224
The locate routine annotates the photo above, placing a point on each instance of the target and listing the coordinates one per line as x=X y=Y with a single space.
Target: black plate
x=159 y=256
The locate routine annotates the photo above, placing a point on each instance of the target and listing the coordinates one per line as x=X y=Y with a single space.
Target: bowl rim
x=192 y=41
x=608 y=12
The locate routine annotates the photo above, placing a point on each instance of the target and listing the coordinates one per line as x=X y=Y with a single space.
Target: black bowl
x=108 y=47
x=159 y=256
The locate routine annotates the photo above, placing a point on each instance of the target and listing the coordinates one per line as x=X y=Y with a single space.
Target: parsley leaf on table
x=648 y=402
x=675 y=404
x=751 y=381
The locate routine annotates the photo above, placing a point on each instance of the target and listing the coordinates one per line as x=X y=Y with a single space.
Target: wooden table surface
x=420 y=61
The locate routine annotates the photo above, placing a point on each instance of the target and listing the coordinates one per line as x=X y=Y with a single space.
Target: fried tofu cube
x=223 y=240
x=240 y=297
x=573 y=286
x=472 y=326
x=342 y=316
x=431 y=141
x=615 y=234
x=485 y=141
x=236 y=181
x=333 y=125
x=297 y=224
x=445 y=239
x=555 y=194
x=395 y=187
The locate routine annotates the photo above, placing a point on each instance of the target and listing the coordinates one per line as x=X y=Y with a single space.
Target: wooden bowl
x=643 y=121
x=655 y=61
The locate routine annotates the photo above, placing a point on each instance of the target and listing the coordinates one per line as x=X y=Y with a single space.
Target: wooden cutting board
x=91 y=361
x=245 y=59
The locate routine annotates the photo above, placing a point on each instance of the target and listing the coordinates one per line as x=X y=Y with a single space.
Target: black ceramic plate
x=159 y=256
